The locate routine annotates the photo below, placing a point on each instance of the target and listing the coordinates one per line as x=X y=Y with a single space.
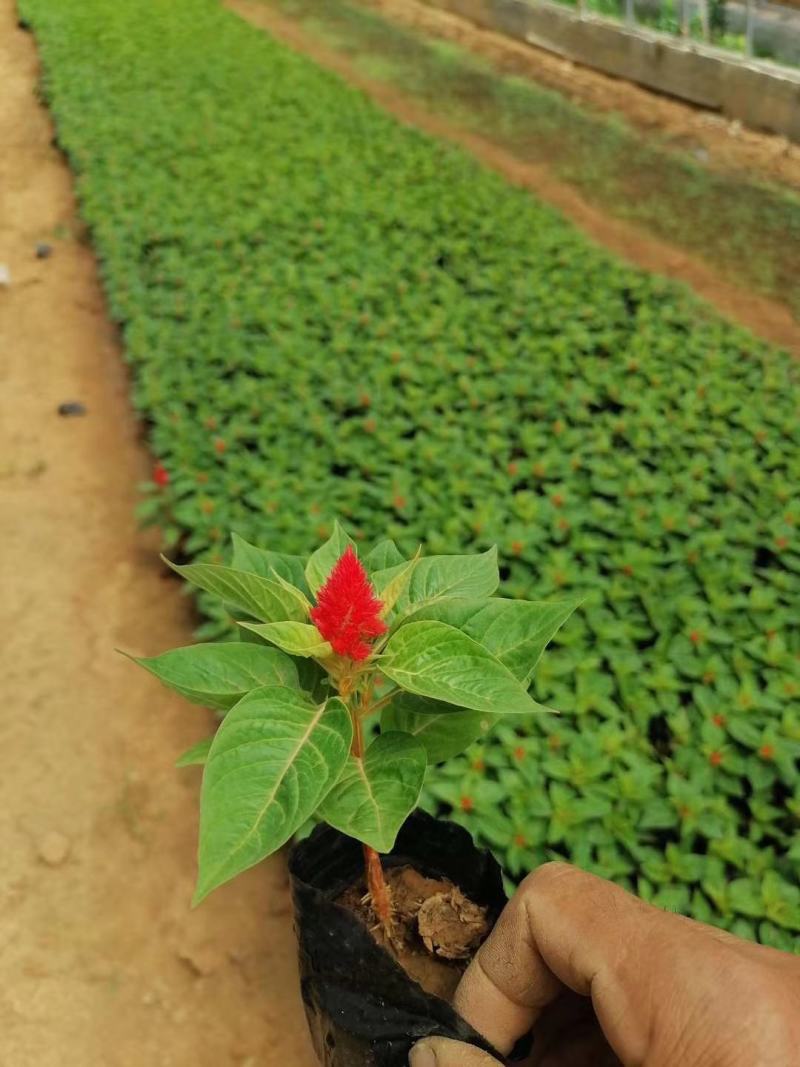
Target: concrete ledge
x=761 y=95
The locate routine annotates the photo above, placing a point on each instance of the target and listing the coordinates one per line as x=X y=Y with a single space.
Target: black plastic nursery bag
x=362 y=1008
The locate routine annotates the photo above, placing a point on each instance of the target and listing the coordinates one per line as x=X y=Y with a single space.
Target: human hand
x=603 y=978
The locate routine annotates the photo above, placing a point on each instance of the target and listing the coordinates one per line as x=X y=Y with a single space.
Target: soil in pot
x=435 y=932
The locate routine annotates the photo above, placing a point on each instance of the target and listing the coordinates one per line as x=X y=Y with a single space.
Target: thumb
x=441 y=1052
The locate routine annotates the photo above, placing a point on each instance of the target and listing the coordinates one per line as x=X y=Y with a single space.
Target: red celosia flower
x=160 y=475
x=348 y=612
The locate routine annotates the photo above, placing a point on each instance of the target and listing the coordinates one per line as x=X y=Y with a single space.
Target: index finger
x=563 y=928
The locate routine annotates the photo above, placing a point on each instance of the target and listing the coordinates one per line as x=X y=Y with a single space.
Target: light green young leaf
x=444 y=730
x=435 y=577
x=384 y=555
x=264 y=598
x=197 y=755
x=376 y=794
x=219 y=675
x=267 y=564
x=390 y=584
x=296 y=638
x=435 y=660
x=515 y=631
x=272 y=762
x=298 y=594
x=321 y=562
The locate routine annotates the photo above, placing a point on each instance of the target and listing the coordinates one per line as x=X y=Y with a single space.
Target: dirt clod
x=53 y=848
x=435 y=928
x=451 y=926
x=202 y=960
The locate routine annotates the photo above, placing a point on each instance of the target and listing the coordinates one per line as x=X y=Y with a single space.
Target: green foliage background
x=328 y=314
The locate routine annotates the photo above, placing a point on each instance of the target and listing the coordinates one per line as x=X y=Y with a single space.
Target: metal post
x=705 y=20
x=685 y=18
x=630 y=14
x=750 y=32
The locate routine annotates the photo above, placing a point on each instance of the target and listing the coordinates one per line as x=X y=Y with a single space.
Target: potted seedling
x=351 y=677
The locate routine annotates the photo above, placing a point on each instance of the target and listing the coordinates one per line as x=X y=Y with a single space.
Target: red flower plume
x=160 y=475
x=348 y=612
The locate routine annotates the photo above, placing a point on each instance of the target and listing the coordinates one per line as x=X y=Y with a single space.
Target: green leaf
x=745 y=897
x=376 y=794
x=219 y=675
x=436 y=577
x=390 y=584
x=321 y=562
x=263 y=598
x=263 y=561
x=296 y=638
x=197 y=755
x=384 y=555
x=435 y=660
x=515 y=631
x=272 y=762
x=443 y=729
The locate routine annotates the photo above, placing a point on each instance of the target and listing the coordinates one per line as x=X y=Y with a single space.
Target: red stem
x=376 y=883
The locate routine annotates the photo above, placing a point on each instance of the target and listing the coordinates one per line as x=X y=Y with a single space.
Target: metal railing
x=755 y=28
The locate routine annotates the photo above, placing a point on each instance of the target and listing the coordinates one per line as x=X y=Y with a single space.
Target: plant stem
x=377 y=888
x=376 y=883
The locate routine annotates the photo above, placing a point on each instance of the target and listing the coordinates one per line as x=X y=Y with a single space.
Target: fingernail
x=422 y=1055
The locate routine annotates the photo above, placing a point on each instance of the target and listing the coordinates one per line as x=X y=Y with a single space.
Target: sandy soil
x=102 y=963
x=766 y=318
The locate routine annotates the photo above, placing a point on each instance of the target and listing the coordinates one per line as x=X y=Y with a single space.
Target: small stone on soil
x=53 y=848
x=5 y=276
x=72 y=407
x=43 y=250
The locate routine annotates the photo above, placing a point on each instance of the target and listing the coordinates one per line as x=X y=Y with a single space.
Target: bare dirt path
x=724 y=144
x=102 y=963
x=766 y=318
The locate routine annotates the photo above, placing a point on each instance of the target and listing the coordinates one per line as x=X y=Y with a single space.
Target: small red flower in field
x=160 y=475
x=715 y=759
x=348 y=612
x=519 y=753
x=781 y=542
x=695 y=637
x=219 y=446
x=718 y=719
x=520 y=841
x=767 y=752
x=467 y=804
x=517 y=547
